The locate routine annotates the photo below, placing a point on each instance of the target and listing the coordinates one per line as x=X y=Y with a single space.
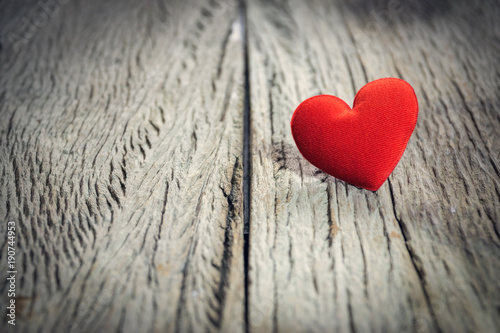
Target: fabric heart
x=362 y=145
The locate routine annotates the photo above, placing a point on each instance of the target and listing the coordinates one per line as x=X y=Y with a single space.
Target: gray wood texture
x=121 y=139
x=423 y=252
x=121 y=161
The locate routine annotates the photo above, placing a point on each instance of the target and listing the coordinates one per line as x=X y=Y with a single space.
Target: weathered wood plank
x=120 y=145
x=120 y=162
x=421 y=254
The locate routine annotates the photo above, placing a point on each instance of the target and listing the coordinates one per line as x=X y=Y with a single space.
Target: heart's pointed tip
x=373 y=188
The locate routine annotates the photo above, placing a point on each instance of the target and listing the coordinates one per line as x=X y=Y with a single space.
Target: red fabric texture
x=362 y=145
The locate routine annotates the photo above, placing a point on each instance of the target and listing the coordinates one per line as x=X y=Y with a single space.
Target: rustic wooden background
x=147 y=160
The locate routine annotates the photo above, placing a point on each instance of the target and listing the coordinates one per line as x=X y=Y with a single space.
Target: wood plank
x=120 y=161
x=422 y=253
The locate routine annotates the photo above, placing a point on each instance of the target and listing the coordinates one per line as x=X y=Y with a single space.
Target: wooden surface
x=122 y=162
x=422 y=253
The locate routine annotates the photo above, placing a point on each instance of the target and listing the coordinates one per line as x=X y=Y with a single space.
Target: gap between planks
x=247 y=167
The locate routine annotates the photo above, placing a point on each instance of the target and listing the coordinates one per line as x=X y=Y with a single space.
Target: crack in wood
x=246 y=152
x=412 y=257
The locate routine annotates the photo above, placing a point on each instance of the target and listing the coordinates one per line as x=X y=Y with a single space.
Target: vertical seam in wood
x=246 y=158
x=412 y=257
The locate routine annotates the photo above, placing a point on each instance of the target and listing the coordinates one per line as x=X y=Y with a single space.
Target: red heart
x=362 y=145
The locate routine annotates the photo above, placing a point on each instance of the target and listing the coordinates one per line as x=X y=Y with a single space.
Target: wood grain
x=422 y=253
x=120 y=161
